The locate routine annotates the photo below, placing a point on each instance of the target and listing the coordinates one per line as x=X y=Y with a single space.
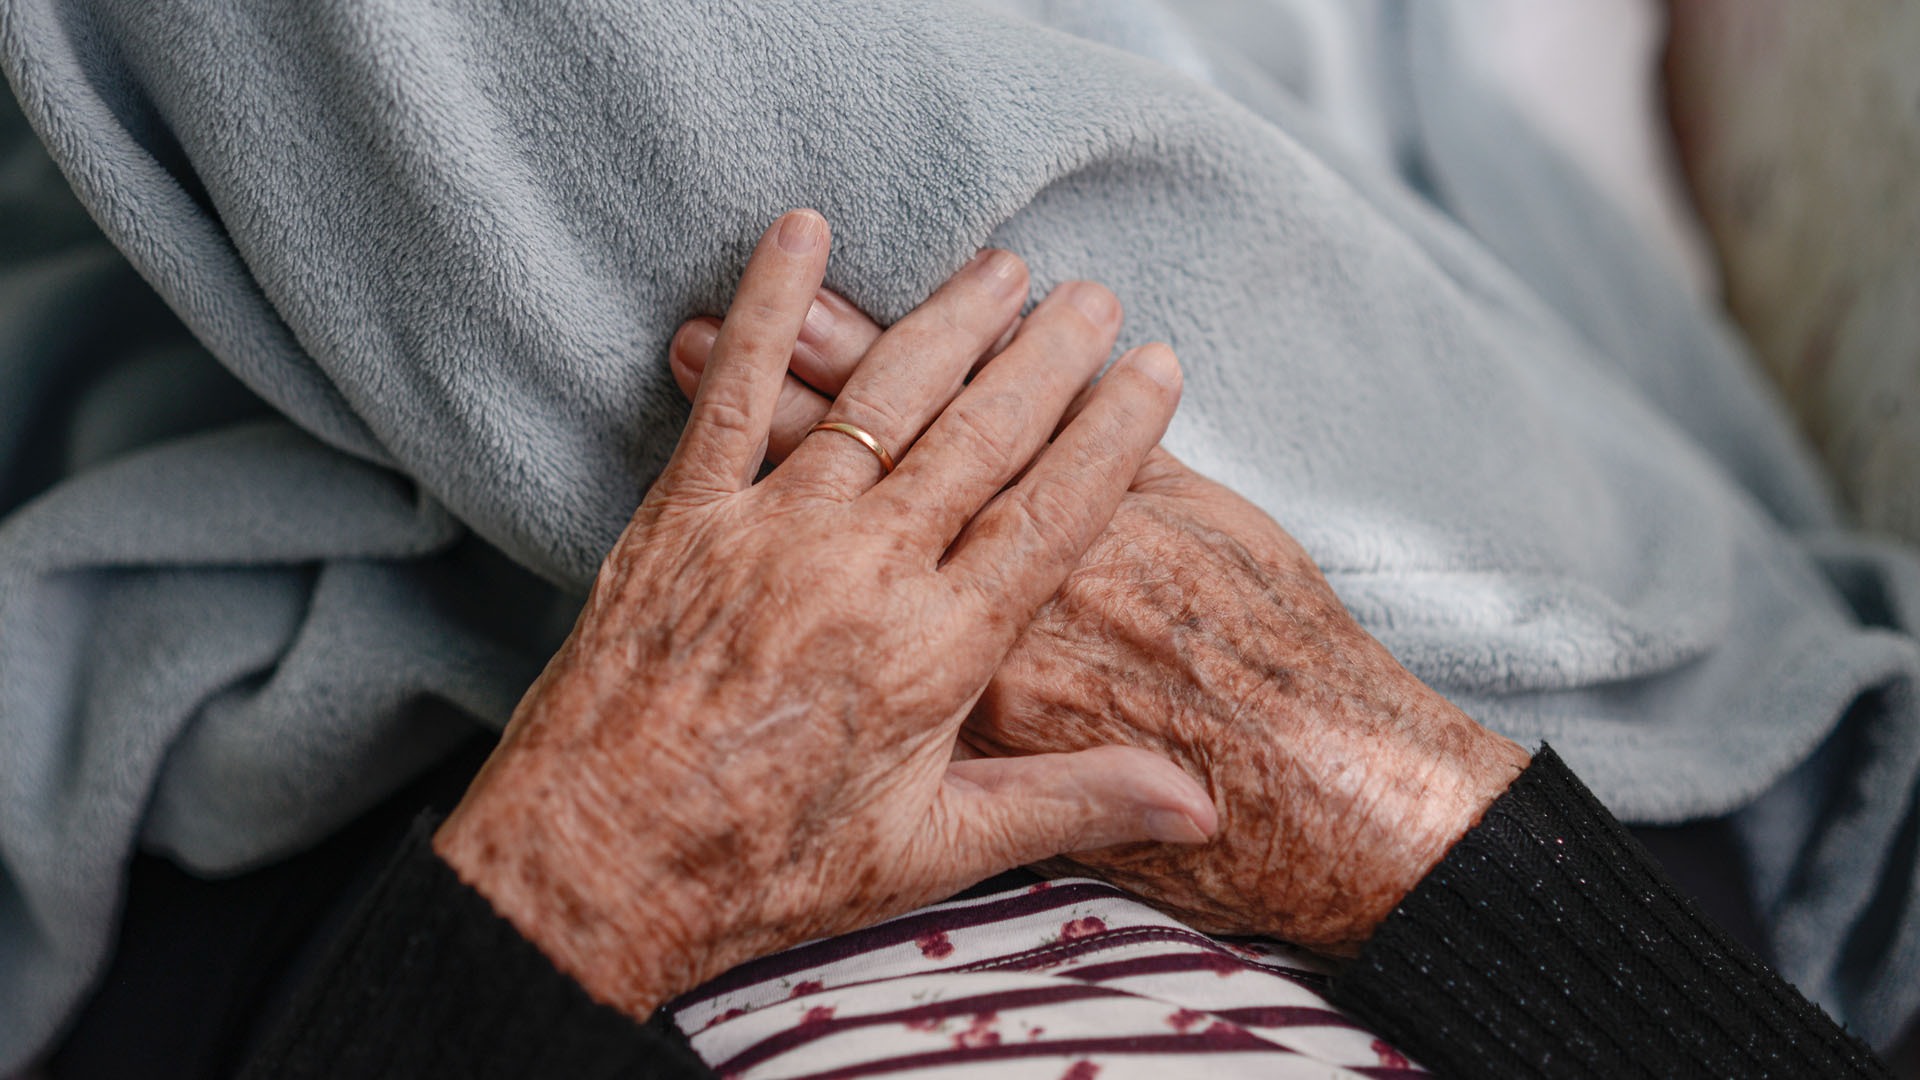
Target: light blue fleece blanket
x=427 y=256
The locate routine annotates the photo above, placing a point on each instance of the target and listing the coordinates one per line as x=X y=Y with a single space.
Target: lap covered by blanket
x=427 y=258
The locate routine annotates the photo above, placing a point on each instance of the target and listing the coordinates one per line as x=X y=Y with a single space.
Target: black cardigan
x=1546 y=944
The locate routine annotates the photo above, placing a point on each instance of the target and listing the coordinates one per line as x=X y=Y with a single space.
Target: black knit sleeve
x=1548 y=943
x=428 y=983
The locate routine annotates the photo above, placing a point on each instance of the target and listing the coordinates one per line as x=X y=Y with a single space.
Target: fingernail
x=696 y=344
x=1096 y=303
x=1173 y=827
x=817 y=329
x=1158 y=363
x=800 y=232
x=997 y=269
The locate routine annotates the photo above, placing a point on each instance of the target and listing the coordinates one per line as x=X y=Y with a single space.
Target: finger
x=1157 y=472
x=1023 y=545
x=726 y=433
x=997 y=347
x=1080 y=402
x=1075 y=407
x=832 y=340
x=910 y=374
x=687 y=353
x=992 y=430
x=837 y=335
x=798 y=409
x=1006 y=812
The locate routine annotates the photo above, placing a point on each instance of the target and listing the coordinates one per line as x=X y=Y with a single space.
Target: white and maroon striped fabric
x=1064 y=980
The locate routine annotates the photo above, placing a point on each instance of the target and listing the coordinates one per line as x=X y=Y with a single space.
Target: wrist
x=1443 y=780
x=603 y=907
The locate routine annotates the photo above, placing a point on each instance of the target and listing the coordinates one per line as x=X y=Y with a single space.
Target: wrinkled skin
x=1195 y=627
x=749 y=738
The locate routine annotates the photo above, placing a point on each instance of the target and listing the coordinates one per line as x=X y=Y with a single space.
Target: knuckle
x=755 y=312
x=811 y=486
x=1104 y=451
x=908 y=525
x=877 y=416
x=721 y=414
x=978 y=431
x=753 y=341
x=1124 y=421
x=1131 y=408
x=759 y=331
x=1049 y=518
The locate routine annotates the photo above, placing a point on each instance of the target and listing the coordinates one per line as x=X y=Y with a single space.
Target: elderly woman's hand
x=748 y=739
x=1199 y=629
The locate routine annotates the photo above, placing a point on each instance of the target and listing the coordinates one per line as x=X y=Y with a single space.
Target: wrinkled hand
x=1195 y=627
x=748 y=739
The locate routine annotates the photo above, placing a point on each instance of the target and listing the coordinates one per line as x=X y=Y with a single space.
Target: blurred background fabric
x=292 y=519
x=1799 y=125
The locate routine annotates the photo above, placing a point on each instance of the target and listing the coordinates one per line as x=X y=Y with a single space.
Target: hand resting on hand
x=1195 y=627
x=748 y=739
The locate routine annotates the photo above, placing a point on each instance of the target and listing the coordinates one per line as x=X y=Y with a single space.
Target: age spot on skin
x=1279 y=677
x=702 y=855
x=574 y=911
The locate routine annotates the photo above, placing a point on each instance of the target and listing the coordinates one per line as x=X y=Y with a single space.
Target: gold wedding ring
x=866 y=440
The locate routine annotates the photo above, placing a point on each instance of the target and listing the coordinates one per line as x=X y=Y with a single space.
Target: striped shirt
x=1063 y=980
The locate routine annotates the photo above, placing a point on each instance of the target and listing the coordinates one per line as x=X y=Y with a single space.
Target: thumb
x=1011 y=811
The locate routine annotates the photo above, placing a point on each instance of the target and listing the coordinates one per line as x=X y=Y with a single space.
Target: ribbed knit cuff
x=1548 y=943
x=428 y=982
